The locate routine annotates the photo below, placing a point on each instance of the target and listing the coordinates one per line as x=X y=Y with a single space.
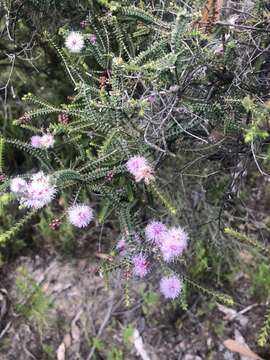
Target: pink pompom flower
x=138 y=167
x=47 y=141
x=178 y=233
x=146 y=174
x=140 y=265
x=174 y=244
x=42 y=142
x=39 y=192
x=36 y=141
x=80 y=215
x=170 y=287
x=18 y=185
x=74 y=42
x=135 y=163
x=155 y=232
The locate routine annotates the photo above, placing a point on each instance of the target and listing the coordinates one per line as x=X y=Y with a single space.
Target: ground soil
x=84 y=308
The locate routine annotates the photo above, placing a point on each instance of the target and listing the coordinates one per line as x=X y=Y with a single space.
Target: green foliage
x=247 y=240
x=128 y=335
x=115 y=354
x=259 y=118
x=181 y=23
x=63 y=240
x=183 y=298
x=5 y=199
x=265 y=331
x=98 y=343
x=36 y=153
x=9 y=234
x=225 y=299
x=200 y=262
x=163 y=199
x=48 y=350
x=260 y=280
x=219 y=329
x=2 y=148
x=150 y=301
x=33 y=303
x=135 y=13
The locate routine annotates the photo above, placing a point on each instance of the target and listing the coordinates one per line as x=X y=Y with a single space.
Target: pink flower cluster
x=171 y=242
x=45 y=141
x=36 y=193
x=139 y=167
x=80 y=215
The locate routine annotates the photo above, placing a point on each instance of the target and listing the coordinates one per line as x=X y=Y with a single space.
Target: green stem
x=163 y=199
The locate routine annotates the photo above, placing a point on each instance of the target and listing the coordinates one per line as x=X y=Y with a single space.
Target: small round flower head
x=47 y=141
x=179 y=234
x=174 y=243
x=74 y=42
x=80 y=215
x=135 y=163
x=39 y=192
x=146 y=174
x=18 y=185
x=36 y=141
x=170 y=287
x=121 y=246
x=155 y=232
x=138 y=166
x=140 y=265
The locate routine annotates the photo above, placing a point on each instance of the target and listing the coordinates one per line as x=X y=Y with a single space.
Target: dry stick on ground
x=102 y=327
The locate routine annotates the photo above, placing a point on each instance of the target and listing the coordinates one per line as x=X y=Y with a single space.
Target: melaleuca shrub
x=132 y=82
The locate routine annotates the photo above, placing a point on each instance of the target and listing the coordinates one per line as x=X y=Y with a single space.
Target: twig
x=105 y=321
x=242 y=26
